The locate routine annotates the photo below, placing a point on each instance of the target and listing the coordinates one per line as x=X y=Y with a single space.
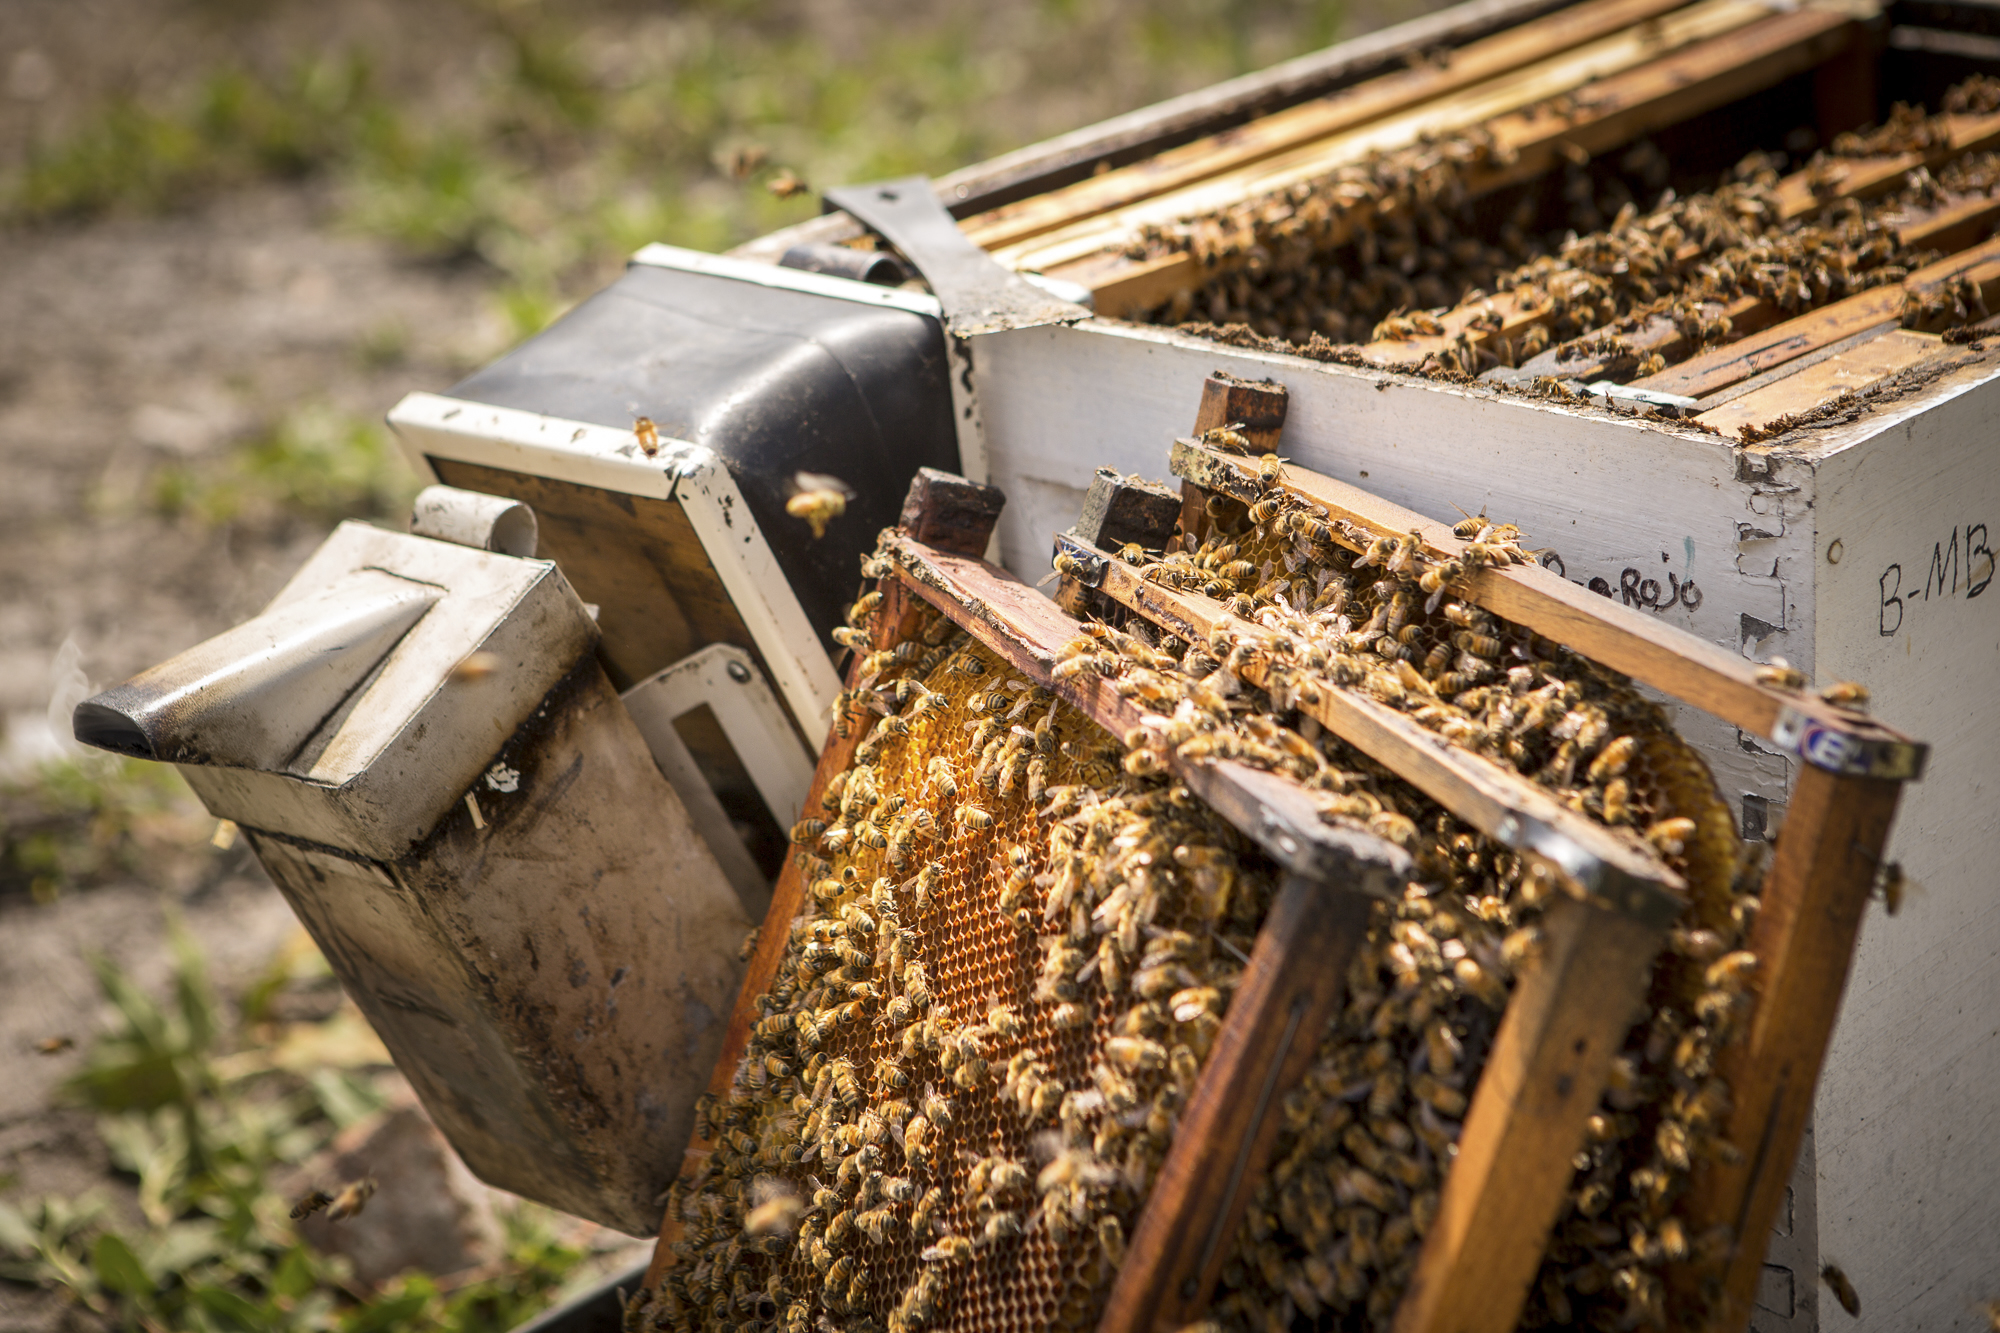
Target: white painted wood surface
x=1908 y=1112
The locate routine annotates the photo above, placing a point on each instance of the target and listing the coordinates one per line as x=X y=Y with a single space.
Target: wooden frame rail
x=1612 y=865
x=1568 y=1015
x=1290 y=988
x=1720 y=367
x=1655 y=654
x=1297 y=126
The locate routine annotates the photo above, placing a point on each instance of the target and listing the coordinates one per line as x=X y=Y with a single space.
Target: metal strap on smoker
x=979 y=294
x=1666 y=658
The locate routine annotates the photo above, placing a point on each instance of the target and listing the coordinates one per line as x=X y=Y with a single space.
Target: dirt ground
x=143 y=341
x=123 y=343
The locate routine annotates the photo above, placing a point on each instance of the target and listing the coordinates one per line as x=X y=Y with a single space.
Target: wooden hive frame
x=1616 y=71
x=1567 y=1016
x=1622 y=71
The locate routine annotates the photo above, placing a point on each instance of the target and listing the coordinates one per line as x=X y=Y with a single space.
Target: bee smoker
x=420 y=743
x=661 y=430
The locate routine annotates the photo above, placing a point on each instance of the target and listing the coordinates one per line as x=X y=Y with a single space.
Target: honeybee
x=1731 y=971
x=948 y=1250
x=818 y=499
x=973 y=817
x=648 y=436
x=1479 y=645
x=1003 y=1020
x=1846 y=694
x=777 y=1211
x=846 y=1087
x=786 y=184
x=351 y=1200
x=943 y=779
x=925 y=884
x=1891 y=883
x=878 y=1224
x=806 y=831
x=1000 y=1227
x=938 y=1110
x=54 y=1045
x=1843 y=1290
x=864 y=606
x=1778 y=674
x=1671 y=836
x=311 y=1204
x=1111 y=1239
x=924 y=1216
x=476 y=666
x=1135 y=1053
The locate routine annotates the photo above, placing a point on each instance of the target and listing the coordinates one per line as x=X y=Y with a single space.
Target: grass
x=200 y=1132
x=586 y=133
x=315 y=463
x=79 y=822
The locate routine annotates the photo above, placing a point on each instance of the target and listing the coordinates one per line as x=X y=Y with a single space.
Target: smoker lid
x=345 y=713
x=773 y=381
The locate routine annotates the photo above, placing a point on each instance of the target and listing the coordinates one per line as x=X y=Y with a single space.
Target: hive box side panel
x=1657 y=519
x=1907 y=1121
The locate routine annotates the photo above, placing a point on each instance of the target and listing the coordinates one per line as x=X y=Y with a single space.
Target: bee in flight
x=311 y=1204
x=818 y=499
x=351 y=1200
x=786 y=184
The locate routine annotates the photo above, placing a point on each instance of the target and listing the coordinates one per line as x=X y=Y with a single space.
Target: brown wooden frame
x=1827 y=858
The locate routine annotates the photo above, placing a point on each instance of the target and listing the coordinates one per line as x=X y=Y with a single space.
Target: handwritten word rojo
x=1634 y=588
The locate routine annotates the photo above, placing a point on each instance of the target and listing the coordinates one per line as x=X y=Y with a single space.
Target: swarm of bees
x=1333 y=1233
x=1378 y=250
x=1021 y=936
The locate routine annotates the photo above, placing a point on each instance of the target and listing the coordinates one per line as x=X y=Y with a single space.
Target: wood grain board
x=1612 y=109
x=1297 y=126
x=1850 y=371
x=1292 y=986
x=1565 y=1022
x=1952 y=226
x=1807 y=925
x=1723 y=366
x=1553 y=76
